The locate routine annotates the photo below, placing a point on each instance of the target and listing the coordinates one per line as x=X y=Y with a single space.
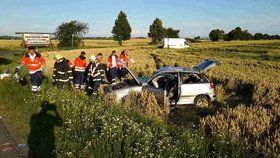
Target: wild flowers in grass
x=90 y=128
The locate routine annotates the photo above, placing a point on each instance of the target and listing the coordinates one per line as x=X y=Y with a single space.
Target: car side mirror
x=144 y=84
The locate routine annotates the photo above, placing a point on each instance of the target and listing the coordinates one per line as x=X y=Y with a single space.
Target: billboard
x=37 y=39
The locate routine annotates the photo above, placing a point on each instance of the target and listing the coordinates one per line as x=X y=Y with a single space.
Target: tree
x=216 y=35
x=245 y=35
x=197 y=38
x=122 y=30
x=238 y=34
x=157 y=31
x=70 y=33
x=171 y=33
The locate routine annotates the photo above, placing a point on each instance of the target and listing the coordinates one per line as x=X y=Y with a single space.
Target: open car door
x=204 y=66
x=158 y=86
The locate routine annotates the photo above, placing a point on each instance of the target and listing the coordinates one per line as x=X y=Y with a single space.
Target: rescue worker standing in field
x=124 y=59
x=34 y=62
x=79 y=71
x=94 y=76
x=102 y=71
x=112 y=66
x=62 y=72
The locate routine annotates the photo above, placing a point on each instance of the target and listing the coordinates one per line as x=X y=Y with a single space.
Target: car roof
x=176 y=69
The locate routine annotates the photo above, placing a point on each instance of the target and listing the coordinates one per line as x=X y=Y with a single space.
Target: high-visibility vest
x=123 y=58
x=80 y=64
x=35 y=64
x=70 y=64
x=110 y=62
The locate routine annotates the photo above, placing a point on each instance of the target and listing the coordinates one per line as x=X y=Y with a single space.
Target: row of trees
x=238 y=34
x=71 y=33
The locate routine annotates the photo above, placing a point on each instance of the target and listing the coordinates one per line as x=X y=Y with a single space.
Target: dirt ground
x=10 y=145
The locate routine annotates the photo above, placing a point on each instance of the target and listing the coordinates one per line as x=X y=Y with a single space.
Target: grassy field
x=242 y=123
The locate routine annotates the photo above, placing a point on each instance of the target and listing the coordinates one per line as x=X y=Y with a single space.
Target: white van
x=174 y=43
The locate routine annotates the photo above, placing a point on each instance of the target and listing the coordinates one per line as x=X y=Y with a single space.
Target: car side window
x=188 y=78
x=159 y=81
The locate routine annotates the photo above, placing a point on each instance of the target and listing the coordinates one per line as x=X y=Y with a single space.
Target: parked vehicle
x=176 y=85
x=174 y=43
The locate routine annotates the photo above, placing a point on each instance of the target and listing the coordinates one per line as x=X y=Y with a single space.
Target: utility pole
x=72 y=39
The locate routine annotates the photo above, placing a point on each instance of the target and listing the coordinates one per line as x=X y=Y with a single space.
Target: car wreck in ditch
x=176 y=85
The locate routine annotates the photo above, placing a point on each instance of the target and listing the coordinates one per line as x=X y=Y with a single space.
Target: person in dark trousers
x=112 y=66
x=34 y=61
x=62 y=72
x=93 y=76
x=99 y=58
x=79 y=71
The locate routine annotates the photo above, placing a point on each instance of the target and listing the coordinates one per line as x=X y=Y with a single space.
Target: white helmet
x=92 y=58
x=58 y=56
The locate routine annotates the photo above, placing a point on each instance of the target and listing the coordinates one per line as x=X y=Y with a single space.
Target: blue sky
x=192 y=17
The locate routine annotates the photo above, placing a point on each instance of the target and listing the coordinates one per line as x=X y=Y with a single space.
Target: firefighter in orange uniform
x=79 y=71
x=34 y=62
x=124 y=59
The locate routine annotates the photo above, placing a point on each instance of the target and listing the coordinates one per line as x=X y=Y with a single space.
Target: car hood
x=134 y=77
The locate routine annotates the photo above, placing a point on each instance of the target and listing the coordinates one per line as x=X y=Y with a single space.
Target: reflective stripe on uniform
x=33 y=72
x=80 y=70
x=33 y=64
x=35 y=88
x=60 y=72
x=61 y=80
x=77 y=85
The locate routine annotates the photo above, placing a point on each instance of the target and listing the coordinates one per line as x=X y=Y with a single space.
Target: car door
x=192 y=85
x=204 y=66
x=158 y=86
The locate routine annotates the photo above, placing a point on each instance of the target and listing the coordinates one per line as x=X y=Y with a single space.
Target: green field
x=244 y=122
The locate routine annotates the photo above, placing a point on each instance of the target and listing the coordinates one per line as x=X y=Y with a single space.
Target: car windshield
x=143 y=79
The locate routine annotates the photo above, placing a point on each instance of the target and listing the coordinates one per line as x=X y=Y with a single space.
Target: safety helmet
x=92 y=58
x=58 y=56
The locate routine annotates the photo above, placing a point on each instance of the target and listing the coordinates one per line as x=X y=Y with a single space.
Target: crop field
x=243 y=122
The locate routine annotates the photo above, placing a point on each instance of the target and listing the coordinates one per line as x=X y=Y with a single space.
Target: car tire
x=202 y=101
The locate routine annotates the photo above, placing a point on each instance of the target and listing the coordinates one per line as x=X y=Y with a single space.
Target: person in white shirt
x=112 y=66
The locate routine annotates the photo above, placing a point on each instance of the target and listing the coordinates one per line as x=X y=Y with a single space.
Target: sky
x=192 y=17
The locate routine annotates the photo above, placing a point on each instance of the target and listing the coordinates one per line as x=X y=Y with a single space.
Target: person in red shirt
x=79 y=71
x=124 y=60
x=112 y=66
x=34 y=62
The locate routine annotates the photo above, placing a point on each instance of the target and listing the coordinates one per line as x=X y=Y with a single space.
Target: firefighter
x=34 y=62
x=94 y=75
x=102 y=71
x=62 y=72
x=112 y=66
x=122 y=70
x=79 y=71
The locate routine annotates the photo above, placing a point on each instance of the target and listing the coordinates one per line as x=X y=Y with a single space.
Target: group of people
x=84 y=76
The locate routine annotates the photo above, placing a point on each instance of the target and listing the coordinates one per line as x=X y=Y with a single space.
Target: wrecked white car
x=174 y=84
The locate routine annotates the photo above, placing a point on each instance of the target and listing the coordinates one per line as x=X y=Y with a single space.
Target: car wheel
x=202 y=101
